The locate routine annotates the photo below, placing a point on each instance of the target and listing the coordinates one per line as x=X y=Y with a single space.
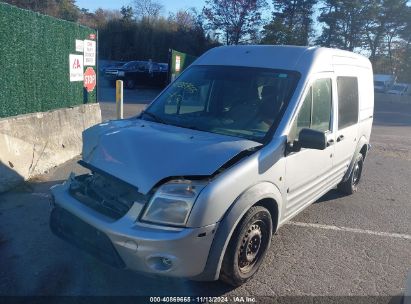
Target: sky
x=169 y=5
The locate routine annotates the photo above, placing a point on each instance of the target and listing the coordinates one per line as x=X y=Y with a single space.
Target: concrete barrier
x=31 y=144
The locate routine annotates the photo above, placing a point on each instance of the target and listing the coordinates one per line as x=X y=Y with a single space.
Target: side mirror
x=312 y=139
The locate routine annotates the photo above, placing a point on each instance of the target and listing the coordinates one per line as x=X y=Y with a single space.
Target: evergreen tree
x=291 y=24
x=344 y=22
x=127 y=13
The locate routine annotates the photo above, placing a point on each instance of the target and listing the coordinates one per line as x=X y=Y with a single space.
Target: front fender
x=256 y=193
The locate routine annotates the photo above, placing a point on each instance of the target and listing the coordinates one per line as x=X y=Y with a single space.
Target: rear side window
x=347 y=88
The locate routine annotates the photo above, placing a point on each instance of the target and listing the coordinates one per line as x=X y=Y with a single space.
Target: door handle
x=340 y=138
x=330 y=142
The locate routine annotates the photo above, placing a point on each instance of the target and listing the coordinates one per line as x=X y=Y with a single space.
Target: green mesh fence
x=34 y=69
x=179 y=62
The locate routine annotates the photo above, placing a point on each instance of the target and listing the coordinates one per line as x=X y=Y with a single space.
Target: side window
x=155 y=67
x=142 y=66
x=303 y=119
x=321 y=112
x=347 y=88
x=315 y=112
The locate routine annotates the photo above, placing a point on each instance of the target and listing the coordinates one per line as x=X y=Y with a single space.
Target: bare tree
x=64 y=9
x=184 y=19
x=237 y=19
x=147 y=9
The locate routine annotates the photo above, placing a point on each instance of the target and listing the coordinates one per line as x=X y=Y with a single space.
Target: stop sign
x=89 y=79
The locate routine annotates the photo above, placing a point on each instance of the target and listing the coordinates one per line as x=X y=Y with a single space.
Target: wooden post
x=119 y=99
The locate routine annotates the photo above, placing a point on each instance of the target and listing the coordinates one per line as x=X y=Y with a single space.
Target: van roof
x=296 y=58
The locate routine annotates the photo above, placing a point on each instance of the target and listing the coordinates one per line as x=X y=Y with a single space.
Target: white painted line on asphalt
x=355 y=230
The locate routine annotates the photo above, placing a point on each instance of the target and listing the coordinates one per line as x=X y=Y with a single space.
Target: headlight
x=172 y=202
x=120 y=73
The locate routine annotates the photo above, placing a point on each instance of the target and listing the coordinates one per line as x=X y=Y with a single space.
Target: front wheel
x=351 y=184
x=247 y=247
x=130 y=84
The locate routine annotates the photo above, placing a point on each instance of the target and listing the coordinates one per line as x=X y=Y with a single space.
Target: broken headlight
x=171 y=204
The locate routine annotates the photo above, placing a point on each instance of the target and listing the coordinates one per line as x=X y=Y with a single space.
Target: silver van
x=241 y=142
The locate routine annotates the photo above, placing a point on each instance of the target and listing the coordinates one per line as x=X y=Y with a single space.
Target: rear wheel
x=247 y=247
x=351 y=184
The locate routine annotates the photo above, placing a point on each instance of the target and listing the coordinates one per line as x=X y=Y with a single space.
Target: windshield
x=135 y=65
x=237 y=101
x=130 y=64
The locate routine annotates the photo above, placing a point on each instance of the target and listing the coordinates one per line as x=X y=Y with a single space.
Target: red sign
x=90 y=79
x=92 y=36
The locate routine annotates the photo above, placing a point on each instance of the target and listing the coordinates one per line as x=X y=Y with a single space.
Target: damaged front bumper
x=127 y=243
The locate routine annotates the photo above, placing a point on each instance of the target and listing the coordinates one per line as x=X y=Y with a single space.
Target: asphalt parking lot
x=357 y=245
x=134 y=100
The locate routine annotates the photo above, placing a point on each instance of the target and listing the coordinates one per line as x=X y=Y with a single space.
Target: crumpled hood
x=142 y=153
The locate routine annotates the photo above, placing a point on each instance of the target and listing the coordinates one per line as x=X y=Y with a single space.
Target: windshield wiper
x=154 y=116
x=191 y=127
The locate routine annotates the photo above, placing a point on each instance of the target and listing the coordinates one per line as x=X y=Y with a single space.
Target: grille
x=82 y=235
x=104 y=194
x=111 y=72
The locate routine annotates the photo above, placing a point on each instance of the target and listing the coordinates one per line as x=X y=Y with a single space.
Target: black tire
x=247 y=247
x=130 y=84
x=351 y=184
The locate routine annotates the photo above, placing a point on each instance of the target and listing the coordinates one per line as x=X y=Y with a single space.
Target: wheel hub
x=250 y=247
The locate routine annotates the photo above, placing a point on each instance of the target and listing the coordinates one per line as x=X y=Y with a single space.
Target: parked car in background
x=399 y=89
x=240 y=143
x=110 y=65
x=163 y=67
x=138 y=73
x=382 y=82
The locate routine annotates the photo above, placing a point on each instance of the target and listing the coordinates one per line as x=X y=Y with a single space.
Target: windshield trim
x=270 y=132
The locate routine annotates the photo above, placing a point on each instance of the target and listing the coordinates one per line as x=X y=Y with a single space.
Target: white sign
x=76 y=67
x=79 y=46
x=178 y=63
x=89 y=52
